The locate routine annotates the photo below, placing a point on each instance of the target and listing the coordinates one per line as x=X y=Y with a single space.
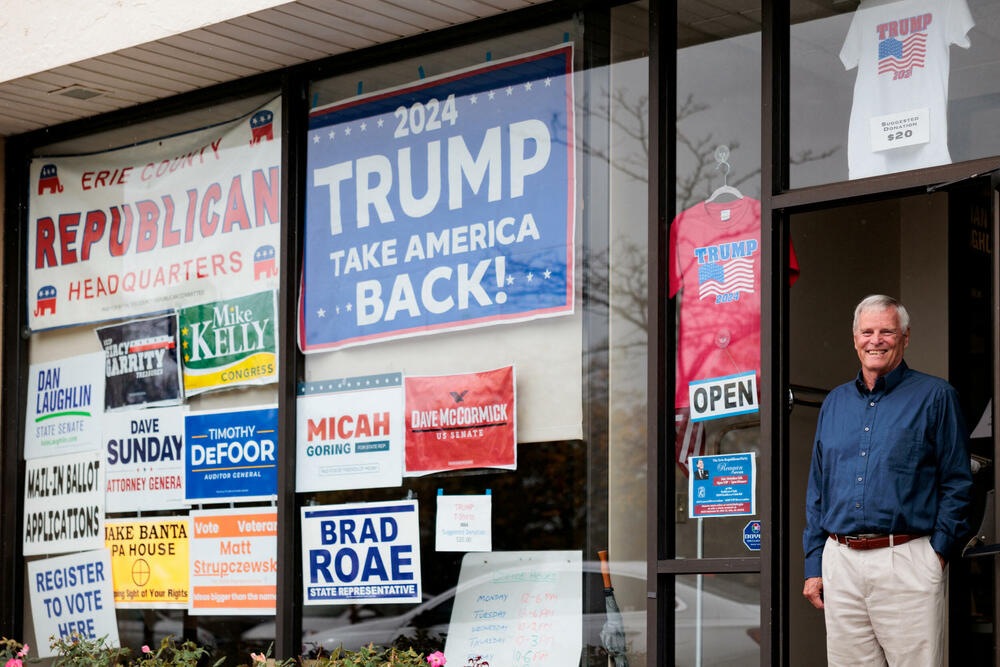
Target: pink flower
x=14 y=662
x=24 y=651
x=436 y=659
x=258 y=657
x=146 y=649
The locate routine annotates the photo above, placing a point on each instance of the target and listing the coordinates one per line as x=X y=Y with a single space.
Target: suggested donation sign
x=149 y=562
x=144 y=451
x=71 y=595
x=163 y=224
x=65 y=406
x=349 y=433
x=445 y=204
x=231 y=455
x=461 y=421
x=361 y=553
x=141 y=365
x=63 y=504
x=234 y=562
x=229 y=343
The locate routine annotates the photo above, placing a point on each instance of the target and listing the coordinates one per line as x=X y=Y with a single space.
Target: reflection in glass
x=717 y=620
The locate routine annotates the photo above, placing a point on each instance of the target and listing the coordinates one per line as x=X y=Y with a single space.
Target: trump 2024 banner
x=349 y=433
x=461 y=421
x=141 y=365
x=65 y=406
x=361 y=553
x=163 y=224
x=445 y=204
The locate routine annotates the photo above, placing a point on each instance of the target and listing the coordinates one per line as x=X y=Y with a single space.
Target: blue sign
x=751 y=535
x=723 y=485
x=231 y=455
x=446 y=204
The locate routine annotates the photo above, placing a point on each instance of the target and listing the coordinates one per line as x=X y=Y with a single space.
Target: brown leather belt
x=873 y=541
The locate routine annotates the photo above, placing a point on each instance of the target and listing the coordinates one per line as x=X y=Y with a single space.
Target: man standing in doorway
x=889 y=491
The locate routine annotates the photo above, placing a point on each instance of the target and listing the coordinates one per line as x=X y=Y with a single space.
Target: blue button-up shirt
x=890 y=460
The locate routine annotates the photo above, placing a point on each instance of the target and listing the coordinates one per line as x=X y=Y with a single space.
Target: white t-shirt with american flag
x=900 y=48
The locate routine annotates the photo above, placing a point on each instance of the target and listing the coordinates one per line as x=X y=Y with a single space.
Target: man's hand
x=813 y=591
x=940 y=559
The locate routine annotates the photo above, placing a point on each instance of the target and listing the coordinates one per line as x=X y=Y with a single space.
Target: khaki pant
x=884 y=606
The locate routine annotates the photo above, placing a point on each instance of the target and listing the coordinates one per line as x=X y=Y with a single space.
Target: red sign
x=461 y=421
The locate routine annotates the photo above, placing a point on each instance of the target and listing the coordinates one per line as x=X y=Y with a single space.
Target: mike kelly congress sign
x=445 y=204
x=163 y=224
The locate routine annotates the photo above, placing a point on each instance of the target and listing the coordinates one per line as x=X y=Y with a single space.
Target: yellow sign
x=149 y=562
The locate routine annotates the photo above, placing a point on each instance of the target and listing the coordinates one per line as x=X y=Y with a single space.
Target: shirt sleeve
x=960 y=22
x=850 y=53
x=954 y=475
x=814 y=536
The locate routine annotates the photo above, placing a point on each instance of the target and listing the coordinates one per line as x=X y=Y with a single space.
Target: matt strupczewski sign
x=234 y=562
x=349 y=433
x=229 y=343
x=149 y=562
x=445 y=204
x=361 y=553
x=163 y=224
x=144 y=451
x=141 y=365
x=231 y=455
x=63 y=504
x=72 y=595
x=65 y=406
x=461 y=421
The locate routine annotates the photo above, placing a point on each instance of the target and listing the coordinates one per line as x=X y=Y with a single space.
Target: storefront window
x=883 y=87
x=717 y=620
x=715 y=273
x=472 y=284
x=152 y=283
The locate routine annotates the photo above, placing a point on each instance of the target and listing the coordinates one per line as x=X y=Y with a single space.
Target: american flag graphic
x=895 y=55
x=715 y=278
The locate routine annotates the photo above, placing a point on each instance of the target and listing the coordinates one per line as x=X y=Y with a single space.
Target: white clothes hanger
x=722 y=160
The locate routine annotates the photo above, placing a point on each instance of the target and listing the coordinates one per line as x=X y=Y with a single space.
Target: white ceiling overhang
x=261 y=41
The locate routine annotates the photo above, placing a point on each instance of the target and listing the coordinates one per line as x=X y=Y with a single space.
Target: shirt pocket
x=905 y=449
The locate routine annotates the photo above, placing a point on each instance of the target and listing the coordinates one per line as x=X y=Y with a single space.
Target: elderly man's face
x=879 y=342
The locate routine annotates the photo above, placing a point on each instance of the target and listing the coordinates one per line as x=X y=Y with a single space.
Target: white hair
x=882 y=302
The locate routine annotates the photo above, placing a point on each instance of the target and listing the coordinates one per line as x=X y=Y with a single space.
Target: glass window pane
x=881 y=87
x=715 y=270
x=717 y=620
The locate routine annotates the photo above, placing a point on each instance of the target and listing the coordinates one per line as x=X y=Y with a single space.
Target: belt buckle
x=856 y=541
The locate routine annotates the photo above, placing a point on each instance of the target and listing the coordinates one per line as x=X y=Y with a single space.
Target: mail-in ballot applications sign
x=234 y=562
x=65 y=406
x=144 y=453
x=141 y=364
x=149 y=562
x=64 y=504
x=361 y=553
x=723 y=485
x=162 y=224
x=71 y=595
x=444 y=204
x=349 y=433
x=229 y=343
x=725 y=396
x=231 y=455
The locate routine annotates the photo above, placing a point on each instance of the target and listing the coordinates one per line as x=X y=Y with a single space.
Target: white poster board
x=234 y=562
x=64 y=504
x=349 y=433
x=361 y=553
x=65 y=406
x=518 y=608
x=464 y=523
x=72 y=594
x=145 y=459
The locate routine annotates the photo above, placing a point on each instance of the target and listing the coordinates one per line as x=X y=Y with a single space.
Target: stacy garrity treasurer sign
x=444 y=204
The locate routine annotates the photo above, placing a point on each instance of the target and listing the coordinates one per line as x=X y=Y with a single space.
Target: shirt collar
x=884 y=383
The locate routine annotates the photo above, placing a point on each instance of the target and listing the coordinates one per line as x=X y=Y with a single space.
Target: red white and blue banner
x=445 y=204
x=164 y=224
